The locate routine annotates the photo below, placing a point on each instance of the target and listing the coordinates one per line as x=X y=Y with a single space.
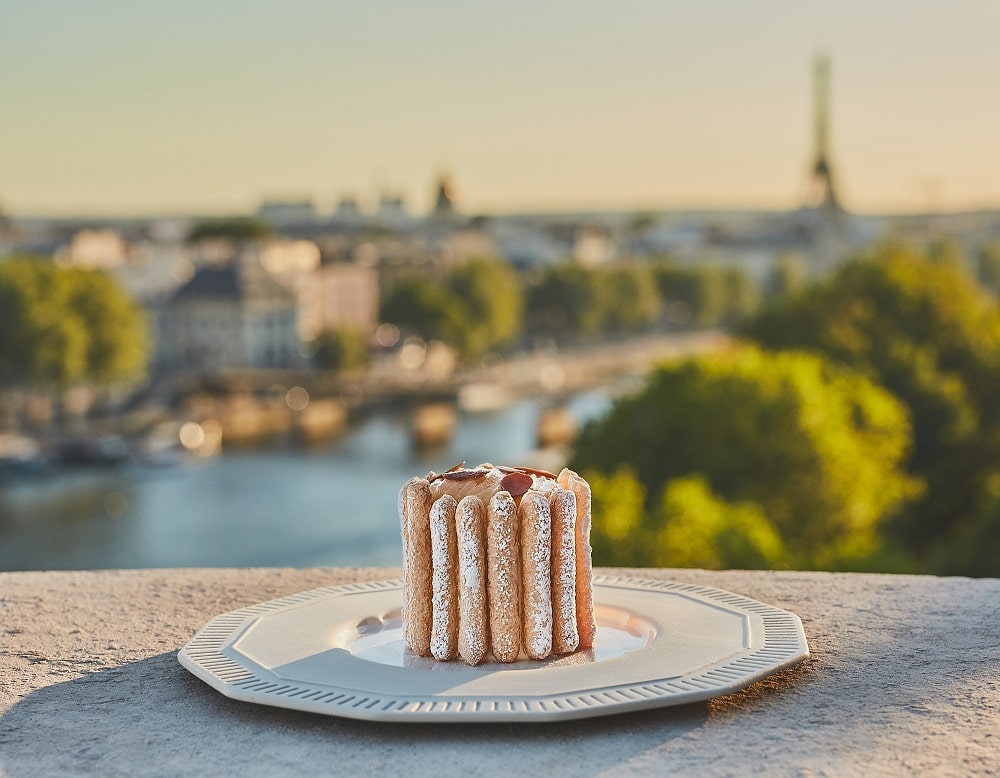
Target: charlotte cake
x=496 y=562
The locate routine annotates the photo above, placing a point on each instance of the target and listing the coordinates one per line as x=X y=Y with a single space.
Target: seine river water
x=334 y=505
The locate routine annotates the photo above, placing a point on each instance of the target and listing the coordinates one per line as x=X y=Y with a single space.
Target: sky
x=110 y=107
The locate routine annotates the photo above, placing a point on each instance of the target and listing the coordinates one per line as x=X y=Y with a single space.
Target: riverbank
x=329 y=503
x=238 y=409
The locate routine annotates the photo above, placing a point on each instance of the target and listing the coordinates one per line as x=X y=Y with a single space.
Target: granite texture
x=904 y=678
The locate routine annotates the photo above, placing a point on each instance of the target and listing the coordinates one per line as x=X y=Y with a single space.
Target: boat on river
x=21 y=455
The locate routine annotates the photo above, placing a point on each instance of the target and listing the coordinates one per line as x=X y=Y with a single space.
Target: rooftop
x=233 y=282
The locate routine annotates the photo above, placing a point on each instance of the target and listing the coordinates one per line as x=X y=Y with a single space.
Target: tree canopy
x=491 y=300
x=478 y=307
x=236 y=228
x=799 y=456
x=566 y=300
x=341 y=349
x=61 y=326
x=569 y=301
x=921 y=327
x=485 y=304
x=633 y=301
x=988 y=268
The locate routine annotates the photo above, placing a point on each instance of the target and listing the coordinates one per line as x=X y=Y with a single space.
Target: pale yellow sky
x=138 y=108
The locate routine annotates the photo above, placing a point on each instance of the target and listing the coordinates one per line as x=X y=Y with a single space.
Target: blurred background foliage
x=62 y=326
x=853 y=424
x=342 y=348
x=803 y=452
x=856 y=427
x=487 y=305
x=477 y=307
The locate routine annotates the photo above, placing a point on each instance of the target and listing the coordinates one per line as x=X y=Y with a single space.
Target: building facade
x=228 y=316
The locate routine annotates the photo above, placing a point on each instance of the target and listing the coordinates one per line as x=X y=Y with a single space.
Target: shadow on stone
x=152 y=717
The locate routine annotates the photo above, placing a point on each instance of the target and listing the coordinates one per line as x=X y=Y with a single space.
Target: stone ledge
x=904 y=678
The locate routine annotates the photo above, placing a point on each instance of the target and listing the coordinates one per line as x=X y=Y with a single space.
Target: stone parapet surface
x=904 y=678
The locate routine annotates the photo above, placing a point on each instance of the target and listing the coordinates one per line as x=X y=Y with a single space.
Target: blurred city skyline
x=213 y=108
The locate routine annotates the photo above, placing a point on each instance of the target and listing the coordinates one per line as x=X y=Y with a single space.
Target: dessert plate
x=340 y=651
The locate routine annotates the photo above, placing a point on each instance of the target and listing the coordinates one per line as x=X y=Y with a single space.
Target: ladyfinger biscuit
x=536 y=559
x=565 y=637
x=470 y=528
x=444 y=589
x=414 y=512
x=503 y=552
x=585 y=621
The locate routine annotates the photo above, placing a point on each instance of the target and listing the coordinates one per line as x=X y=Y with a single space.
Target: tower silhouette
x=444 y=205
x=822 y=192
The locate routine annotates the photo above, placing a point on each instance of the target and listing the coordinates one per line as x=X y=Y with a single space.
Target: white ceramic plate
x=340 y=651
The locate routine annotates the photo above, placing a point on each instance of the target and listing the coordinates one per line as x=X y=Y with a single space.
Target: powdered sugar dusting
x=566 y=638
x=504 y=576
x=444 y=596
x=470 y=542
x=469 y=521
x=414 y=507
x=544 y=485
x=536 y=551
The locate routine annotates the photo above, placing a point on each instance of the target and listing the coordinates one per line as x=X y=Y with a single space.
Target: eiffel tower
x=822 y=194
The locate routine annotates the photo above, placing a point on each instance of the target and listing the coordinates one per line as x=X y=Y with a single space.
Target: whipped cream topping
x=487 y=480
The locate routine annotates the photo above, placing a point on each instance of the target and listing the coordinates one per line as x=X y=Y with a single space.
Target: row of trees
x=486 y=305
x=477 y=307
x=63 y=326
x=748 y=459
x=927 y=333
x=858 y=427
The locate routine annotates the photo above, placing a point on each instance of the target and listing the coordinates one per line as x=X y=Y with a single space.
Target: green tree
x=478 y=307
x=117 y=345
x=789 y=276
x=741 y=293
x=423 y=308
x=699 y=529
x=619 y=535
x=238 y=229
x=341 y=349
x=637 y=227
x=816 y=447
x=566 y=301
x=490 y=294
x=970 y=548
x=700 y=291
x=688 y=526
x=947 y=251
x=633 y=300
x=988 y=268
x=926 y=332
x=570 y=301
x=63 y=326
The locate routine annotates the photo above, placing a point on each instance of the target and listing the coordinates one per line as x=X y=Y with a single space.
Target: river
x=334 y=505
